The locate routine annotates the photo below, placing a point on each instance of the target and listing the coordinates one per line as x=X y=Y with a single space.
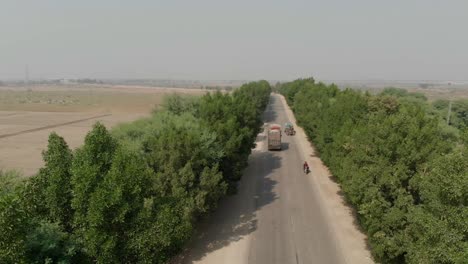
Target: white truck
x=274 y=137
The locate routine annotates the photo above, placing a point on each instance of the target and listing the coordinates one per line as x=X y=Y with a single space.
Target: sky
x=235 y=40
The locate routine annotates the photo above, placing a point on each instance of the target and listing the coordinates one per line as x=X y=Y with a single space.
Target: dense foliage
x=458 y=114
x=134 y=194
x=406 y=178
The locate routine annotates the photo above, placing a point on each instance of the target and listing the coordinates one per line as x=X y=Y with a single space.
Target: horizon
x=232 y=80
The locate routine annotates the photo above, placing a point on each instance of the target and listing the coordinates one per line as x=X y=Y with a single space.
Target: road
x=280 y=215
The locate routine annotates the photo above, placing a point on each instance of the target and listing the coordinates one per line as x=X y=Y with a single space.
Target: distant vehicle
x=289 y=129
x=306 y=167
x=274 y=137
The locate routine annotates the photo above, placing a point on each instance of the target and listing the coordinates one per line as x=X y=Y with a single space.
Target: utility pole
x=26 y=74
x=449 y=112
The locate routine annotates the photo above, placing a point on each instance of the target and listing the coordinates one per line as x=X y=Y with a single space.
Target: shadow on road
x=270 y=115
x=284 y=145
x=235 y=217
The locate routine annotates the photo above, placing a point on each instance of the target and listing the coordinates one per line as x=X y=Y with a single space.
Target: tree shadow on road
x=235 y=217
x=270 y=115
x=284 y=145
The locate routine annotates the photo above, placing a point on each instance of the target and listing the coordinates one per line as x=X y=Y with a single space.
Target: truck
x=289 y=129
x=274 y=137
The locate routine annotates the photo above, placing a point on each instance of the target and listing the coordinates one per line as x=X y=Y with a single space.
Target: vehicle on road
x=274 y=137
x=306 y=167
x=289 y=129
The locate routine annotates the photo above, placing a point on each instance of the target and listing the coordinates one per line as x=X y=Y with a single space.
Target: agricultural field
x=443 y=93
x=29 y=114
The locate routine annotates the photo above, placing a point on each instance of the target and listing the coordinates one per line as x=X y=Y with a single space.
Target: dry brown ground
x=29 y=114
x=443 y=93
x=432 y=93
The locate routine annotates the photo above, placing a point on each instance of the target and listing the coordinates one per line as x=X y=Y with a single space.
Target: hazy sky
x=241 y=39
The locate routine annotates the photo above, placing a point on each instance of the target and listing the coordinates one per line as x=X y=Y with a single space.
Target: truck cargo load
x=274 y=137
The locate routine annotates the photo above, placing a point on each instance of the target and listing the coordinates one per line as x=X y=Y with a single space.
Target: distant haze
x=214 y=40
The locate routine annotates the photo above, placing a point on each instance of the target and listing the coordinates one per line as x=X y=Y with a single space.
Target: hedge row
x=134 y=194
x=407 y=178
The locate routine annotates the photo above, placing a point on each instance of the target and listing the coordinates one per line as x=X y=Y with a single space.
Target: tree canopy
x=390 y=153
x=133 y=194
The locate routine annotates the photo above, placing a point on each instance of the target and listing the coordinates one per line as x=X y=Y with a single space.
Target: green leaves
x=56 y=174
x=115 y=205
x=90 y=165
x=236 y=120
x=13 y=221
x=47 y=242
x=133 y=195
x=177 y=104
x=391 y=158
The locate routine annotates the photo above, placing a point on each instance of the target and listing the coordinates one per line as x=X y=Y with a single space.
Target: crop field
x=29 y=115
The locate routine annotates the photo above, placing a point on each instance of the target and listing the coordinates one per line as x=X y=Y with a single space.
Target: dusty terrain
x=443 y=93
x=433 y=90
x=29 y=114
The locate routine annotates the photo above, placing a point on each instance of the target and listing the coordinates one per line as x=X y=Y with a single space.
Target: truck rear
x=274 y=137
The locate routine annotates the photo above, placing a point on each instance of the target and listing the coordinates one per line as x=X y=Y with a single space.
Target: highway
x=280 y=215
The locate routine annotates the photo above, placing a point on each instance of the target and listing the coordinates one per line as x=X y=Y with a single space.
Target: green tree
x=34 y=196
x=48 y=243
x=89 y=167
x=162 y=230
x=13 y=221
x=58 y=193
x=135 y=197
x=181 y=154
x=439 y=229
x=115 y=205
x=224 y=115
x=396 y=165
x=178 y=104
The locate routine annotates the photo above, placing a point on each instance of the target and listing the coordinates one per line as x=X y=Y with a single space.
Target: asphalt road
x=276 y=217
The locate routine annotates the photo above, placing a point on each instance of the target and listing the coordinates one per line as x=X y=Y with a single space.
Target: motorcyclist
x=306 y=167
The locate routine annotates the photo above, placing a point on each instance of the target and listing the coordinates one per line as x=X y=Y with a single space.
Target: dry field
x=443 y=93
x=433 y=92
x=29 y=115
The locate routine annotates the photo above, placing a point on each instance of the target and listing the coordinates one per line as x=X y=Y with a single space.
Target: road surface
x=280 y=215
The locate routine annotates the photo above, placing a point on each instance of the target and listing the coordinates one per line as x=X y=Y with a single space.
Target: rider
x=306 y=167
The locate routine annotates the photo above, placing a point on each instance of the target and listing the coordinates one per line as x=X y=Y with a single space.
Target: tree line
x=398 y=163
x=132 y=194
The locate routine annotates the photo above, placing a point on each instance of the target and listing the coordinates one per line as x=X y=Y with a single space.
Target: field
x=433 y=91
x=29 y=114
x=443 y=93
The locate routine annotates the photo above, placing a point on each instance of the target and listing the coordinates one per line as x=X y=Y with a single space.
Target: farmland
x=29 y=114
x=433 y=90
